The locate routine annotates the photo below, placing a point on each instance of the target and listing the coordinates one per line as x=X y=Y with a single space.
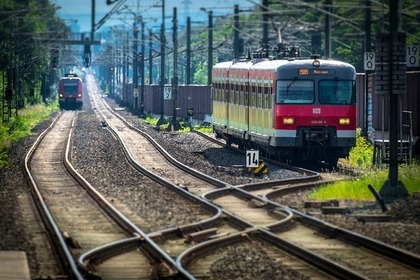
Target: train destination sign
x=306 y=71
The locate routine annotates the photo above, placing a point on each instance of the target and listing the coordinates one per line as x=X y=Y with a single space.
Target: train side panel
x=220 y=94
x=237 y=104
x=261 y=95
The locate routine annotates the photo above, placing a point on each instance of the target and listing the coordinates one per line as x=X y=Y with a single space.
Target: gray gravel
x=111 y=167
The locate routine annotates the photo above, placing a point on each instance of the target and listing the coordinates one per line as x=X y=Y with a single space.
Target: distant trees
x=29 y=39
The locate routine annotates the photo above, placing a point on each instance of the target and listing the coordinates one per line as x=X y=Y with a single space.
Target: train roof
x=70 y=77
x=266 y=64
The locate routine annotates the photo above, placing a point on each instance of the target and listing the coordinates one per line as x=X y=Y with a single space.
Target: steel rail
x=150 y=247
x=66 y=258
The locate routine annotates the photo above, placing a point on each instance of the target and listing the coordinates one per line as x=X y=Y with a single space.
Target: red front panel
x=315 y=115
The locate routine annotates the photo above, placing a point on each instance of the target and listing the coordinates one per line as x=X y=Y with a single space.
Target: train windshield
x=337 y=92
x=295 y=91
x=70 y=86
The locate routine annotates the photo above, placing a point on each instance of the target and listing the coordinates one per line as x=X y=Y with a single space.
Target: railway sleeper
x=334 y=210
x=320 y=204
x=256 y=203
x=199 y=236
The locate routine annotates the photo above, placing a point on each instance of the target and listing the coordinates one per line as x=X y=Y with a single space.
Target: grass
x=360 y=157
x=357 y=189
x=184 y=126
x=21 y=126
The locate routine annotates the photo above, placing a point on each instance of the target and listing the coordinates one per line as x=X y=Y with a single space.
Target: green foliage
x=361 y=156
x=204 y=129
x=200 y=75
x=4 y=146
x=20 y=127
x=150 y=120
x=350 y=55
x=29 y=29
x=357 y=189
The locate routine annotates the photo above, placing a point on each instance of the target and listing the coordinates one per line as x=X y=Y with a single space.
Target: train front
x=315 y=110
x=70 y=90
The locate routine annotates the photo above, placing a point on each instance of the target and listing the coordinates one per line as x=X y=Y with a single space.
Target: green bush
x=21 y=126
x=361 y=155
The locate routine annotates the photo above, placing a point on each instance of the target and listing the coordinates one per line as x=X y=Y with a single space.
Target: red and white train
x=292 y=109
x=70 y=90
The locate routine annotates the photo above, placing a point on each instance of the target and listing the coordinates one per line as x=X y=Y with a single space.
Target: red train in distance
x=70 y=91
x=291 y=109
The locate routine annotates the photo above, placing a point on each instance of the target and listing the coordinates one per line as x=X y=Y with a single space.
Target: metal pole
x=367 y=49
x=188 y=70
x=264 y=9
x=393 y=189
x=142 y=70
x=393 y=126
x=162 y=66
x=150 y=57
x=328 y=29
x=124 y=73
x=236 y=32
x=135 y=63
x=93 y=21
x=175 y=77
x=210 y=54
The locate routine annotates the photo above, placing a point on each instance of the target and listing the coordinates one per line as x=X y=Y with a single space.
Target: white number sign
x=167 y=93
x=369 y=61
x=252 y=158
x=412 y=56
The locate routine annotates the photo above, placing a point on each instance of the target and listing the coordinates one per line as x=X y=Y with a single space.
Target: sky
x=151 y=11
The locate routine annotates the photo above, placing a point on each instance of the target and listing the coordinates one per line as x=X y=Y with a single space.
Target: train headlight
x=288 y=121
x=344 y=121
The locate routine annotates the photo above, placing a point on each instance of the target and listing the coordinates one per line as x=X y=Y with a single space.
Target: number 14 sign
x=252 y=158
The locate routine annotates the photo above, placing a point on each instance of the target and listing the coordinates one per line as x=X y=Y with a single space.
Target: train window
x=70 y=86
x=270 y=97
x=337 y=92
x=264 y=101
x=253 y=99
x=295 y=91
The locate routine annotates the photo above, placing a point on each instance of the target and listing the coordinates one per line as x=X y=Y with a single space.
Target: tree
x=28 y=34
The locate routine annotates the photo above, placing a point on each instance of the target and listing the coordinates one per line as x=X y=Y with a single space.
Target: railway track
x=255 y=218
x=79 y=220
x=246 y=229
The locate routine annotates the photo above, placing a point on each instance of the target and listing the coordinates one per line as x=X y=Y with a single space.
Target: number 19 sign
x=252 y=158
x=413 y=56
x=369 y=61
